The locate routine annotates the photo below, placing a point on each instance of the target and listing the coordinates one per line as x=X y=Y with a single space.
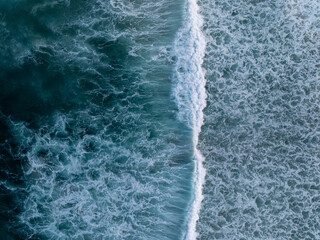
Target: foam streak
x=190 y=95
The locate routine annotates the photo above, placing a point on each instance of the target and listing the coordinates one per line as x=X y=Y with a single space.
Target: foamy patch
x=190 y=95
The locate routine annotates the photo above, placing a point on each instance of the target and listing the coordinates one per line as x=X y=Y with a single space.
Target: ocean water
x=91 y=147
x=261 y=134
x=164 y=120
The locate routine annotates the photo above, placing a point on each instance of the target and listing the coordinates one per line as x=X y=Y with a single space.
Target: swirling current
x=159 y=120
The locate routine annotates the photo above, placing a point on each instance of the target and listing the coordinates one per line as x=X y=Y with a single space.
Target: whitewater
x=191 y=96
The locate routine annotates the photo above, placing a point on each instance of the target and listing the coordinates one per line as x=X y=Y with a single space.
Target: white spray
x=190 y=95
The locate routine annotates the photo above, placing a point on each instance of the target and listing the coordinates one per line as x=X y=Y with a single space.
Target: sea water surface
x=261 y=137
x=159 y=119
x=91 y=143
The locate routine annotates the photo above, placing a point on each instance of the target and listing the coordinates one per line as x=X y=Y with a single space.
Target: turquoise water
x=177 y=120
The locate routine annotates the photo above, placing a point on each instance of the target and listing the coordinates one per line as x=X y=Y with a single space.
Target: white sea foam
x=191 y=97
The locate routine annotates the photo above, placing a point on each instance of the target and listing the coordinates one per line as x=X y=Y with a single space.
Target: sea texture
x=261 y=134
x=91 y=145
x=159 y=119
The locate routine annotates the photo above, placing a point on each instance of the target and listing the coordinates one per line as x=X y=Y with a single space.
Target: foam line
x=190 y=95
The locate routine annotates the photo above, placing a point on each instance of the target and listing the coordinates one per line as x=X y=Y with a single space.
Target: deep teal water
x=91 y=147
